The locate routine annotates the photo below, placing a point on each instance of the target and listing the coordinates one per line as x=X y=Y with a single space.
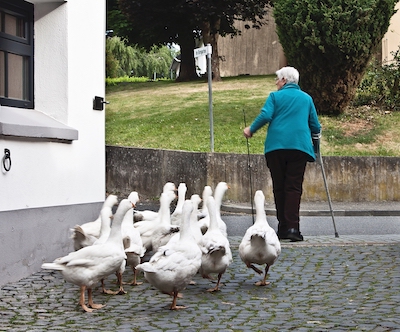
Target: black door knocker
x=7 y=160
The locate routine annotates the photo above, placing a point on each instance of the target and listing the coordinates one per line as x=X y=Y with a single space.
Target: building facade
x=52 y=132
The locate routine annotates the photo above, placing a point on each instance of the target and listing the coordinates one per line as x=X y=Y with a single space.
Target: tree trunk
x=187 y=70
x=333 y=91
x=210 y=36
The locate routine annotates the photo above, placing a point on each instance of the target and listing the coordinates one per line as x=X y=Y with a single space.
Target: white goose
x=216 y=252
x=219 y=193
x=177 y=214
x=131 y=249
x=87 y=233
x=204 y=219
x=194 y=224
x=151 y=215
x=106 y=216
x=260 y=244
x=160 y=225
x=172 y=268
x=132 y=241
x=87 y=266
x=164 y=230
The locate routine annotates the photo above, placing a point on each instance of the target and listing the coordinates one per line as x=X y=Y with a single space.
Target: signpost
x=207 y=50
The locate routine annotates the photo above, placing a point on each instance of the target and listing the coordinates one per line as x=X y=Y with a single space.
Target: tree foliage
x=181 y=21
x=163 y=21
x=331 y=43
x=127 y=60
x=117 y=22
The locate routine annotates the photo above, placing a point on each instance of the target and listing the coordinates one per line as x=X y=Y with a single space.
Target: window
x=16 y=53
x=16 y=78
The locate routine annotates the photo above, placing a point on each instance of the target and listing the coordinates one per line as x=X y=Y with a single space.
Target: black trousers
x=287 y=169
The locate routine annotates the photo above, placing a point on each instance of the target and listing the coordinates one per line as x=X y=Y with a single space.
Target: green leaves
x=330 y=43
x=380 y=85
x=125 y=60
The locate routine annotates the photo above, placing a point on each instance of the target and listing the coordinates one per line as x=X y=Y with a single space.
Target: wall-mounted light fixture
x=98 y=103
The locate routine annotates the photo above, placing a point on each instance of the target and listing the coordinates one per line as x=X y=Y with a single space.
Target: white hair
x=291 y=74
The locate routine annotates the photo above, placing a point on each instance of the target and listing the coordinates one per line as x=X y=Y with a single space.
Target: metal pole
x=210 y=106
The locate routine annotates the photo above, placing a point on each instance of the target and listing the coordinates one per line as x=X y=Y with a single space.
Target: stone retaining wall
x=350 y=179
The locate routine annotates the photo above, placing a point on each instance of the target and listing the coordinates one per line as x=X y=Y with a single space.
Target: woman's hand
x=247 y=133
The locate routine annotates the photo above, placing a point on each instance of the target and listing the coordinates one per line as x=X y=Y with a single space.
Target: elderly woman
x=292 y=119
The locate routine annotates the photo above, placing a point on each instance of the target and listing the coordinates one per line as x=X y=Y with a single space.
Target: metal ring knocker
x=7 y=160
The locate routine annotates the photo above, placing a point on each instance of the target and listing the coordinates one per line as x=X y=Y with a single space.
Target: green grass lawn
x=175 y=116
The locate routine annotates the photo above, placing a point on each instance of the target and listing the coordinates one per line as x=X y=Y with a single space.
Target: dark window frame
x=20 y=46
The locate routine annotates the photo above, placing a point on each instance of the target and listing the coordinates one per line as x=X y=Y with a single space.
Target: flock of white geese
x=180 y=244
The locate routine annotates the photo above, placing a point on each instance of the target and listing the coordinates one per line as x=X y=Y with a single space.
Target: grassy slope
x=169 y=115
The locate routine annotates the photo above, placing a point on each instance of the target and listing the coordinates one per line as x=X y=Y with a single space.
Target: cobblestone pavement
x=351 y=283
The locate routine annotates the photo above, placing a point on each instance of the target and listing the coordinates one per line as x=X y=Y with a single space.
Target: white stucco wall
x=69 y=73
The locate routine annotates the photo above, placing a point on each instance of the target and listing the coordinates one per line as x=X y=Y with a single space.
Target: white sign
x=200 y=51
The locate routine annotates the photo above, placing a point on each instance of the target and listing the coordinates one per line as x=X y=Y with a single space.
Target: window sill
x=35 y=2
x=34 y=125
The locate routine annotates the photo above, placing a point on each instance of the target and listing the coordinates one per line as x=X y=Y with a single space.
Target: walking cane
x=249 y=167
x=316 y=143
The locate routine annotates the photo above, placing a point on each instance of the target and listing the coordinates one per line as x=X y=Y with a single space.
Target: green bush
x=380 y=85
x=130 y=79
x=110 y=81
x=331 y=43
x=112 y=65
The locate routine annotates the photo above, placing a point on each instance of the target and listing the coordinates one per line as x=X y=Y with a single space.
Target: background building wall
x=391 y=40
x=254 y=52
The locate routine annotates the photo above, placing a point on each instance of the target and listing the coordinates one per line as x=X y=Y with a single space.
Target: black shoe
x=294 y=235
x=282 y=235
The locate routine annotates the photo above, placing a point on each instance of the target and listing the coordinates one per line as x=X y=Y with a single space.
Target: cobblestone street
x=322 y=284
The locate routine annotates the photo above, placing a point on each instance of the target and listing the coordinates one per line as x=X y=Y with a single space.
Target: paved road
x=323 y=226
x=349 y=283
x=367 y=218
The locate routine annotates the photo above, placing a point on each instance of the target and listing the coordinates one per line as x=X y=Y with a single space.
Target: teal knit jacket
x=292 y=119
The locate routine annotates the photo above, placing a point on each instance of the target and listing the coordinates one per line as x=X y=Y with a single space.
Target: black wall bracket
x=98 y=103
